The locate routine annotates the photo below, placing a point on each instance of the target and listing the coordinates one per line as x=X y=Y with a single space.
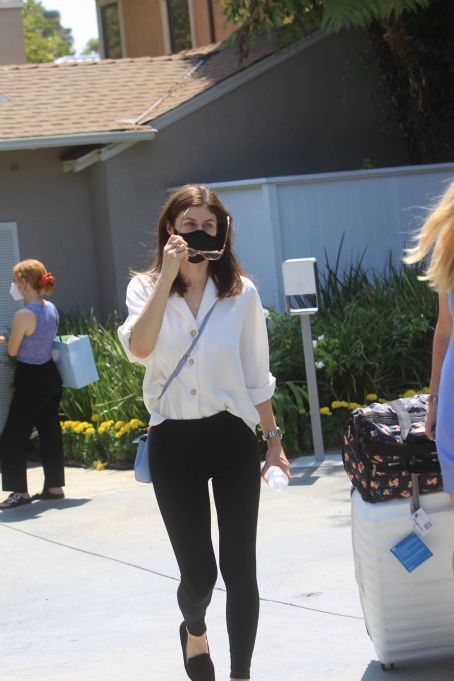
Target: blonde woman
x=437 y=237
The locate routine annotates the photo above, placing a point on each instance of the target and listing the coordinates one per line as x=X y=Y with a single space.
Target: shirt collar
x=210 y=294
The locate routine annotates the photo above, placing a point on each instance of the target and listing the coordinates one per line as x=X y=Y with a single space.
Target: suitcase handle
x=403 y=417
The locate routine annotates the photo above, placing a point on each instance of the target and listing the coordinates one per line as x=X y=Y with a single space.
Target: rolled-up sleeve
x=137 y=295
x=254 y=348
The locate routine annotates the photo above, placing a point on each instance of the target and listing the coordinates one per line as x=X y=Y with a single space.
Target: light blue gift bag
x=74 y=359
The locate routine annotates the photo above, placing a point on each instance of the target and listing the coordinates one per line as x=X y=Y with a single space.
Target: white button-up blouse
x=228 y=368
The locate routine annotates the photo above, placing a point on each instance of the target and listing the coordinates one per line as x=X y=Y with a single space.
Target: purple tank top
x=37 y=348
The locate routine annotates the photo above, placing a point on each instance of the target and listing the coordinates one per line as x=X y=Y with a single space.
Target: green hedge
x=372 y=335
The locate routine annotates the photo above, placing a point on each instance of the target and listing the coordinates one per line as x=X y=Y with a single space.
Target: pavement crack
x=166 y=576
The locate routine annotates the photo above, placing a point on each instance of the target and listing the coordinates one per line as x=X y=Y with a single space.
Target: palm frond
x=340 y=14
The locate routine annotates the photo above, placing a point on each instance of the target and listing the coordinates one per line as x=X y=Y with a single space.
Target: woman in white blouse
x=203 y=426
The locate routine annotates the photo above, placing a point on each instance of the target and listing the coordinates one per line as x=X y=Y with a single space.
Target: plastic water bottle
x=276 y=478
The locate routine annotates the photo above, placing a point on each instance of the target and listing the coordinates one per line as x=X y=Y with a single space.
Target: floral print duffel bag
x=384 y=444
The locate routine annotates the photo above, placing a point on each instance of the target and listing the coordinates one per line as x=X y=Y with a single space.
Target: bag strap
x=184 y=359
x=403 y=418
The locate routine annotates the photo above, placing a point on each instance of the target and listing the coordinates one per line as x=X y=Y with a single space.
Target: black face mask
x=199 y=240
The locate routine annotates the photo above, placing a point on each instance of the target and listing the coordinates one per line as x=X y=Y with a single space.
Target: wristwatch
x=277 y=432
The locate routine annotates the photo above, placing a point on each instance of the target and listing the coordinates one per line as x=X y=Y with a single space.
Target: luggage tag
x=422 y=522
x=411 y=552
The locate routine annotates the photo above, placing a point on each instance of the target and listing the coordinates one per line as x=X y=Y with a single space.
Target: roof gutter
x=118 y=137
x=92 y=157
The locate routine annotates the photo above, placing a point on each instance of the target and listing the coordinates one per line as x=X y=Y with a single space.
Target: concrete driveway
x=88 y=587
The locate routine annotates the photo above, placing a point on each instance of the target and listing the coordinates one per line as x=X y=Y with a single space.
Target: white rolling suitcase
x=409 y=615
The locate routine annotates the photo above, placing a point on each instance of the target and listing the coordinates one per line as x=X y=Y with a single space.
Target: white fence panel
x=374 y=211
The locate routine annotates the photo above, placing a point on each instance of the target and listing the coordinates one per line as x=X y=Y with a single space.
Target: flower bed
x=101 y=444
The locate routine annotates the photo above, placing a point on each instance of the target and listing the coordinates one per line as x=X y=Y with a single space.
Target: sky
x=79 y=16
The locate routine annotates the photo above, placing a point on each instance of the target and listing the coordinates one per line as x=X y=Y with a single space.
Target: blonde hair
x=437 y=233
x=35 y=274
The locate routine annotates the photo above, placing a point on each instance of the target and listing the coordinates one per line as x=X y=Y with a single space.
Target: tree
x=92 y=47
x=45 y=37
x=388 y=24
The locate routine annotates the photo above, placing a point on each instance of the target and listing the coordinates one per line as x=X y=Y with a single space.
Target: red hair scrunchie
x=47 y=279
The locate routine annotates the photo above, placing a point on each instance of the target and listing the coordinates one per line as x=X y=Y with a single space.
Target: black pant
x=35 y=403
x=184 y=455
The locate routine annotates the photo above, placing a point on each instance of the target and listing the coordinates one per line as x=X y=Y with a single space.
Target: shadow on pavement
x=37 y=508
x=435 y=670
x=307 y=476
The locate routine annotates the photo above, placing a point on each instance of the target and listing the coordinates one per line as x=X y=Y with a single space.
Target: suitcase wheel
x=387 y=667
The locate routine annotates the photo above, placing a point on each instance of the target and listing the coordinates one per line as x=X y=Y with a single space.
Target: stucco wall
x=53 y=219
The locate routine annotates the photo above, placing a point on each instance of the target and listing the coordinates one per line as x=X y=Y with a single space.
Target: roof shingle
x=54 y=100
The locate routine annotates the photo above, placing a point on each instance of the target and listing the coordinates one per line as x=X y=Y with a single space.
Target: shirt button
x=193 y=391
x=191 y=361
x=193 y=333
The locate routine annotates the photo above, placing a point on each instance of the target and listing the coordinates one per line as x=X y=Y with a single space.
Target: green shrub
x=118 y=393
x=372 y=334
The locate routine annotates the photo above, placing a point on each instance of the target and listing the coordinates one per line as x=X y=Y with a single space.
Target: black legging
x=184 y=455
x=35 y=403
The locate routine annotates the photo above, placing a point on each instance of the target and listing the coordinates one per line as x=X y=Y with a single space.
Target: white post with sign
x=301 y=299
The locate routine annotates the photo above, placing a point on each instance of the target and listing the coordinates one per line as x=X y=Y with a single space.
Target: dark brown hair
x=225 y=272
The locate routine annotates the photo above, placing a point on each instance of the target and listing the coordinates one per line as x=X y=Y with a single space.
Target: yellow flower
x=90 y=431
x=119 y=424
x=95 y=418
x=107 y=424
x=78 y=428
x=119 y=434
x=409 y=393
x=354 y=405
x=326 y=411
x=99 y=465
x=372 y=397
x=136 y=423
x=336 y=404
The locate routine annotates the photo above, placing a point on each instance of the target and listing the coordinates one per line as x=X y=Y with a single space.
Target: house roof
x=86 y=102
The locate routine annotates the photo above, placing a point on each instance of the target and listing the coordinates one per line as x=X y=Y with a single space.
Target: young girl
x=437 y=237
x=203 y=427
x=37 y=388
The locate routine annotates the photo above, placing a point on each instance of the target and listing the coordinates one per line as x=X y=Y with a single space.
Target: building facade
x=151 y=28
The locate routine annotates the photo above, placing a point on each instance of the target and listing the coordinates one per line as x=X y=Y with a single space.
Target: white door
x=9 y=256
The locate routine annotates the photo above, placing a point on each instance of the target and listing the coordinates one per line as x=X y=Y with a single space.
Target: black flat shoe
x=200 y=667
x=14 y=500
x=45 y=495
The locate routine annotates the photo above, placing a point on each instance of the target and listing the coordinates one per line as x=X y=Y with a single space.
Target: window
x=111 y=32
x=179 y=25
